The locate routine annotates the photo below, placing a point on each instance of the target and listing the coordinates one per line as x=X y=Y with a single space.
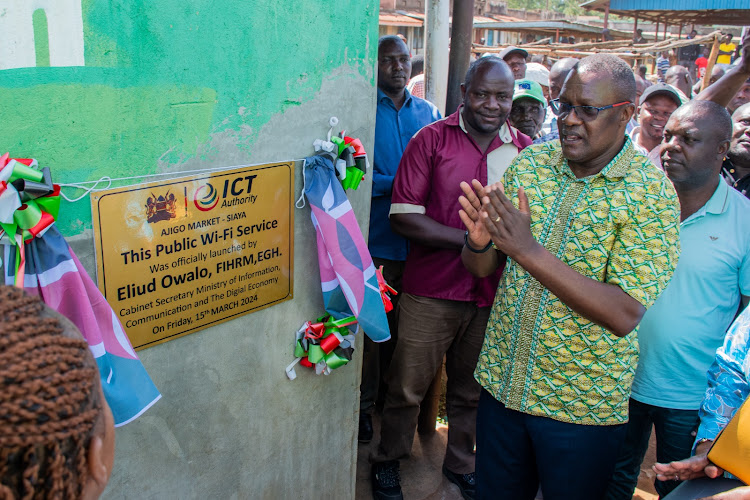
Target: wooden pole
x=606 y=20
x=635 y=26
x=711 y=62
x=557 y=35
x=458 y=59
x=656 y=39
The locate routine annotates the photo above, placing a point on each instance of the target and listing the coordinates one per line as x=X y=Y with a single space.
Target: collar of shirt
x=383 y=97
x=729 y=173
x=716 y=205
x=507 y=134
x=615 y=169
x=654 y=155
x=727 y=170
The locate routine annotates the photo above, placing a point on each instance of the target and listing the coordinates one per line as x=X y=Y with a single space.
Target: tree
x=568 y=7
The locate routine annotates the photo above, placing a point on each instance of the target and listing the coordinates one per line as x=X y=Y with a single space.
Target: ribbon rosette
x=29 y=204
x=327 y=344
x=352 y=160
x=324 y=345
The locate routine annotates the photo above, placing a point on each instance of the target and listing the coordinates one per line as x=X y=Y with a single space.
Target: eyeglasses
x=585 y=113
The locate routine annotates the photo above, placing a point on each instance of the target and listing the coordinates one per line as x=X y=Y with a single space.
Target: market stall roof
x=705 y=12
x=415 y=18
x=549 y=28
x=398 y=19
x=626 y=49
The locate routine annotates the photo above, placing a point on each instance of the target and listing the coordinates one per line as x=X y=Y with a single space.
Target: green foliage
x=568 y=7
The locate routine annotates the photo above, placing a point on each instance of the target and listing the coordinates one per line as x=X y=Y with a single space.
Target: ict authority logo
x=206 y=197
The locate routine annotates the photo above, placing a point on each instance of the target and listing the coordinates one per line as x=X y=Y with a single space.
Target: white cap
x=537 y=73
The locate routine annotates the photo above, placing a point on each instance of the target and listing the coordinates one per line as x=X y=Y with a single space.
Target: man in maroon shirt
x=444 y=309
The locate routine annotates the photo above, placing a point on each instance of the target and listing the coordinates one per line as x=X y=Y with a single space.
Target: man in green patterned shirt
x=591 y=241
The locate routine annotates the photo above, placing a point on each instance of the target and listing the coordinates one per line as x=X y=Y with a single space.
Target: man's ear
x=463 y=91
x=723 y=148
x=627 y=113
x=96 y=461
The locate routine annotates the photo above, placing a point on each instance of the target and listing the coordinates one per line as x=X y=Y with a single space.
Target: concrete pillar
x=436 y=33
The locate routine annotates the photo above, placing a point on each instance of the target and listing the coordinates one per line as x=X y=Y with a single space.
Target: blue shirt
x=728 y=379
x=393 y=130
x=680 y=333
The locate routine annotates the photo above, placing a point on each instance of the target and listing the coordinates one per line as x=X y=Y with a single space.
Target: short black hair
x=417 y=65
x=480 y=63
x=389 y=39
x=717 y=116
x=622 y=77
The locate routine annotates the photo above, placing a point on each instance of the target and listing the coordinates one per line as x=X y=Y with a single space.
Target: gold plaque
x=176 y=256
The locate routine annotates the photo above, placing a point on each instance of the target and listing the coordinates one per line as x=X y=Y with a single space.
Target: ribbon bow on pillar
x=324 y=345
x=29 y=204
x=352 y=154
x=327 y=344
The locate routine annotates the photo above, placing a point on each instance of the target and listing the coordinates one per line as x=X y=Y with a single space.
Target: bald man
x=557 y=75
x=680 y=333
x=679 y=77
x=736 y=167
x=589 y=246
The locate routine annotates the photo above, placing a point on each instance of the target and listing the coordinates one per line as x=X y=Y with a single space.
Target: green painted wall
x=176 y=85
x=161 y=79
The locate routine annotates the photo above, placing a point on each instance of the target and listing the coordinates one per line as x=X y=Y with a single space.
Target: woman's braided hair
x=49 y=402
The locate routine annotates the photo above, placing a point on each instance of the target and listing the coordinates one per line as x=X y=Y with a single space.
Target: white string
x=111 y=180
x=300 y=203
x=86 y=190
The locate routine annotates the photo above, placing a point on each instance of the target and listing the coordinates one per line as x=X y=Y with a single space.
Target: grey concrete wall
x=182 y=85
x=230 y=424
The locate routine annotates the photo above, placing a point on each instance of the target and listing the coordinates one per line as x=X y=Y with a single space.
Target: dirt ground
x=421 y=474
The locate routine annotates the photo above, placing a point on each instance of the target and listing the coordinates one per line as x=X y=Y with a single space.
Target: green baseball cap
x=529 y=88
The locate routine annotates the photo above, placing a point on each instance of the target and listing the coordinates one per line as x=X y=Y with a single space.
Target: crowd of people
x=574 y=241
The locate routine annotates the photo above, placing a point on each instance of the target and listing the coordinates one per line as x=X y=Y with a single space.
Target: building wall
x=138 y=88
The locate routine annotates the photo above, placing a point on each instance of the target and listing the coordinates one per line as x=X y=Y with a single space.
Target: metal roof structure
x=550 y=28
x=413 y=18
x=706 y=12
x=398 y=19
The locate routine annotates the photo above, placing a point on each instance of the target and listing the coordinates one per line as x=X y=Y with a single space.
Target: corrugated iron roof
x=679 y=4
x=396 y=19
x=706 y=12
x=551 y=27
x=415 y=18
